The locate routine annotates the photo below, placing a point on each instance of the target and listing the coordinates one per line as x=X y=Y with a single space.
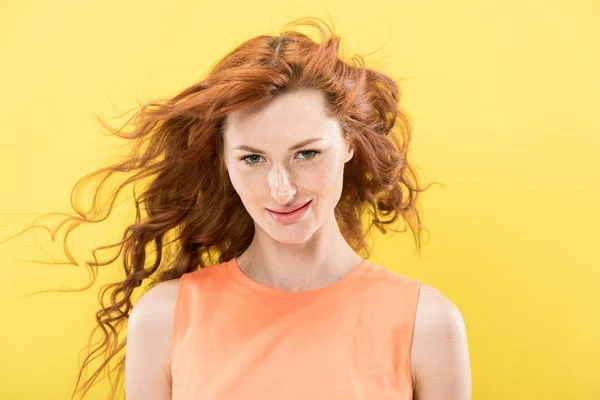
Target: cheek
x=244 y=182
x=323 y=177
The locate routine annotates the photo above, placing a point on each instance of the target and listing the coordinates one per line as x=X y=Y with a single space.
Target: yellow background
x=504 y=99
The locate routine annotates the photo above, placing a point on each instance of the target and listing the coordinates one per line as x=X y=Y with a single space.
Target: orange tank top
x=235 y=338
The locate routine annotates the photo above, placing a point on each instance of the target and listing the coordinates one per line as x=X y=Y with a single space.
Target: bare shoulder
x=156 y=307
x=149 y=343
x=439 y=355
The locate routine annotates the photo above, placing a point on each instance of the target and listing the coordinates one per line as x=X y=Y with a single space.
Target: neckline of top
x=236 y=272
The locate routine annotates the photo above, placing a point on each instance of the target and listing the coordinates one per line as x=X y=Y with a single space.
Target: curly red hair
x=193 y=215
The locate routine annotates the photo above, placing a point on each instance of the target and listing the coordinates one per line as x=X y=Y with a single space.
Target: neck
x=320 y=261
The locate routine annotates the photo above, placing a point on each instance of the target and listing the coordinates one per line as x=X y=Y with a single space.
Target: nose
x=280 y=183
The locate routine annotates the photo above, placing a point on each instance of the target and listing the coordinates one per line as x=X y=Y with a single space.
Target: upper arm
x=440 y=353
x=149 y=342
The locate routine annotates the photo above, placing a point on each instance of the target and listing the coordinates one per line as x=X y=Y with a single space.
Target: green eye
x=245 y=158
x=310 y=151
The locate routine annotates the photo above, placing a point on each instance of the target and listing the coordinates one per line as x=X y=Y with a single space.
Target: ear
x=349 y=154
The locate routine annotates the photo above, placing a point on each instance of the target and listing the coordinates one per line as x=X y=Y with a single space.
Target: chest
x=346 y=351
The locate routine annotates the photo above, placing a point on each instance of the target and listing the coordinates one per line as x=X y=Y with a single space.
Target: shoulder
x=439 y=355
x=150 y=329
x=435 y=310
x=156 y=304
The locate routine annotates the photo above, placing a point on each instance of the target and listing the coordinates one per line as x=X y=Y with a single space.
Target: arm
x=440 y=353
x=149 y=342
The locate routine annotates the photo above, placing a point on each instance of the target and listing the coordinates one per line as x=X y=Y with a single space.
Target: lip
x=289 y=209
x=290 y=217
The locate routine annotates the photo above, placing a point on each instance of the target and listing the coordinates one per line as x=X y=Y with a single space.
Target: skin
x=298 y=256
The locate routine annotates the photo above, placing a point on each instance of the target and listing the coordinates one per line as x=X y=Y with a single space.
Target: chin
x=290 y=234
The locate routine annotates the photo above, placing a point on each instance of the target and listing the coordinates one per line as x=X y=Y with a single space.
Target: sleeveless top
x=235 y=338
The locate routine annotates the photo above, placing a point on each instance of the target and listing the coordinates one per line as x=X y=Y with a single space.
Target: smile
x=290 y=217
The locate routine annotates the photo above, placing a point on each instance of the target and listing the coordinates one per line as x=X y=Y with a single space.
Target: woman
x=261 y=176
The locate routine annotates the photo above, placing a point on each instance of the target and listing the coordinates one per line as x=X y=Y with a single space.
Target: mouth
x=290 y=210
x=292 y=216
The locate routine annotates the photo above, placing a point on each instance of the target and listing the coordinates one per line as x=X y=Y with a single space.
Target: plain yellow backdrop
x=504 y=99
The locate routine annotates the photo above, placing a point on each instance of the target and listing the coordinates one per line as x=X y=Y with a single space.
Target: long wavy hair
x=187 y=207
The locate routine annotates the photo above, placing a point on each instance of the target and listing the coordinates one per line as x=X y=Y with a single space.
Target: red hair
x=193 y=215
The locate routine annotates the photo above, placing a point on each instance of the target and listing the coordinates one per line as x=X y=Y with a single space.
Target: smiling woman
x=262 y=176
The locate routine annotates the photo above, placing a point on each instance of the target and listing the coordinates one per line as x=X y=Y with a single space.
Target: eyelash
x=301 y=151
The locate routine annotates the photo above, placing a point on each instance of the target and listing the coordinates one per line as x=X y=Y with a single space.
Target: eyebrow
x=294 y=147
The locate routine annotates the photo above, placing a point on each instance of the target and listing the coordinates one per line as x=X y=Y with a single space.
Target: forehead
x=292 y=114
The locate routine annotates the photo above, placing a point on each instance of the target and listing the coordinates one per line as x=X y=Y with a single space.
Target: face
x=284 y=152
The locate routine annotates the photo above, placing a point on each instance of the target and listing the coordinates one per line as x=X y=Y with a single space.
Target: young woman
x=263 y=176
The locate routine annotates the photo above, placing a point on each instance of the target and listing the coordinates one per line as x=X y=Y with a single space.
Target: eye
x=310 y=151
x=246 y=158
